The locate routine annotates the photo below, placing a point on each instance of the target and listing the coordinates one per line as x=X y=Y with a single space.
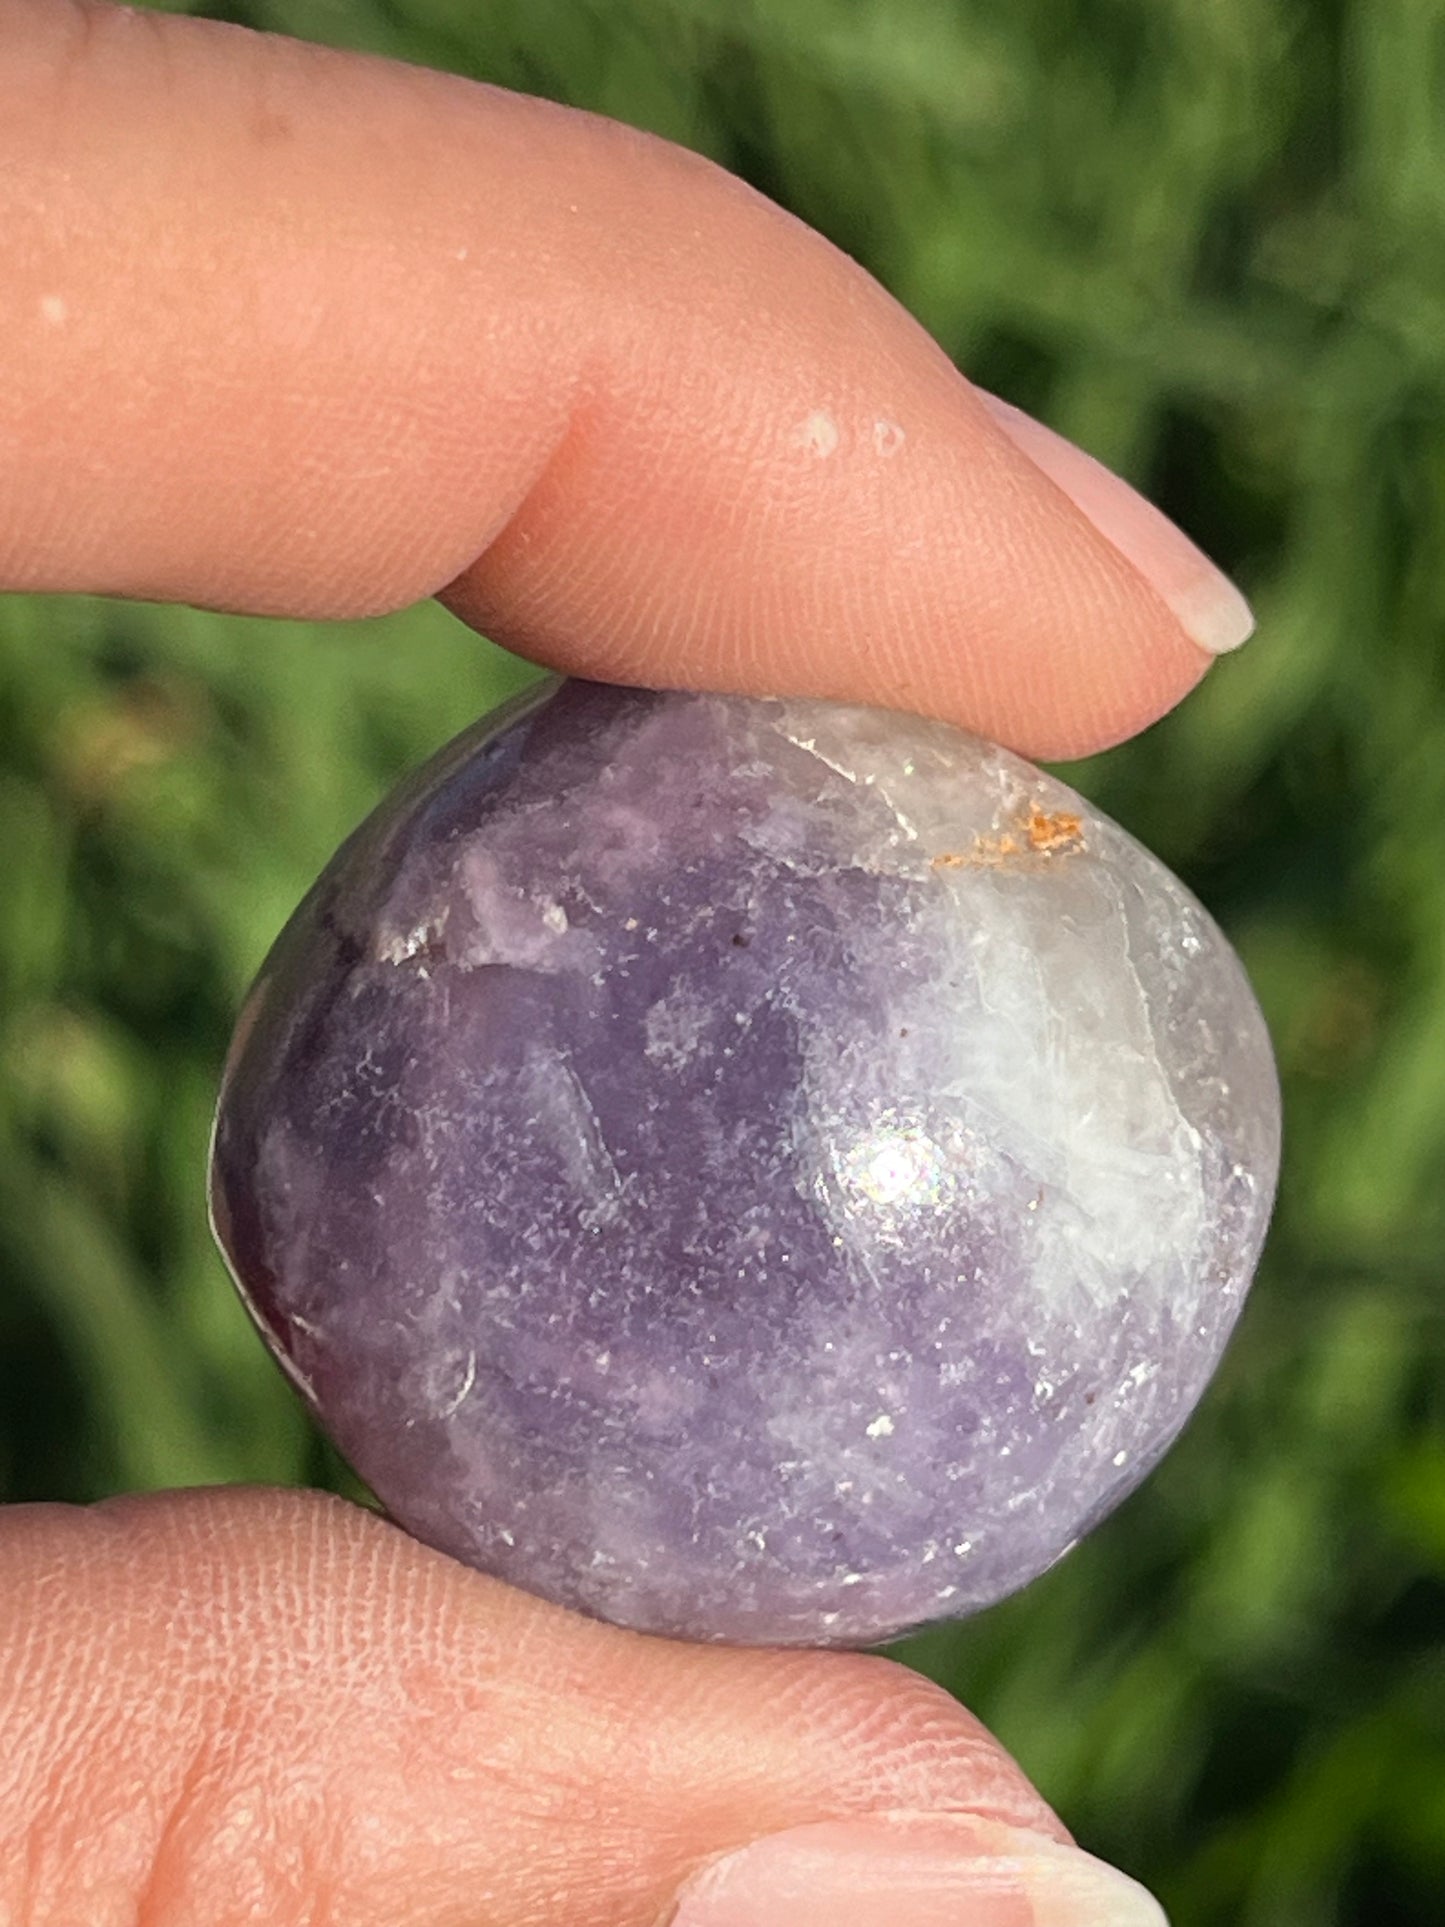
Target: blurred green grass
x=1207 y=242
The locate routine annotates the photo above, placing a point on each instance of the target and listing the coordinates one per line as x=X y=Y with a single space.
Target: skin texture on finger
x=256 y=1705
x=293 y=331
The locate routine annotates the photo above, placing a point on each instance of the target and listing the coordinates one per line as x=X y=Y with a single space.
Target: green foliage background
x=1206 y=241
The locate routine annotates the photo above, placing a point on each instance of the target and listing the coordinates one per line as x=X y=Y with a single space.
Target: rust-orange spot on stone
x=1052 y=832
x=1041 y=833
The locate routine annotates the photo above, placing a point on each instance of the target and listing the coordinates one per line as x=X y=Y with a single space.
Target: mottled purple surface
x=757 y=1171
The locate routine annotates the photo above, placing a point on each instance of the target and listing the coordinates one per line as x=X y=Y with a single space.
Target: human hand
x=304 y=334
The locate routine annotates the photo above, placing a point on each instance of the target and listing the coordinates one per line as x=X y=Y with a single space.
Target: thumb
x=242 y=1705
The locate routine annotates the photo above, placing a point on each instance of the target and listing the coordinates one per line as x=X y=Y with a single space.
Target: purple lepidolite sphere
x=763 y=1171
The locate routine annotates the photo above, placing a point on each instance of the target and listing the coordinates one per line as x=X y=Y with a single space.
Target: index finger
x=301 y=332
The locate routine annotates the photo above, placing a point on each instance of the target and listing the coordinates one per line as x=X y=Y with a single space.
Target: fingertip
x=1209 y=607
x=912 y=1870
x=398 y=331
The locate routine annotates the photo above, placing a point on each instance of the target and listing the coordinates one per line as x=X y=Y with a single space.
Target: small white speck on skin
x=880 y=1427
x=239 y=1827
x=555 y=918
x=1121 y=1458
x=888 y=437
x=817 y=434
x=54 y=310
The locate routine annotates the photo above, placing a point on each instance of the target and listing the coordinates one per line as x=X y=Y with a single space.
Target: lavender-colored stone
x=752 y=1170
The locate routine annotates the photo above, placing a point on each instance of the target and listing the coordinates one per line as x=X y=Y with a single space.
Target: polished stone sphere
x=752 y=1170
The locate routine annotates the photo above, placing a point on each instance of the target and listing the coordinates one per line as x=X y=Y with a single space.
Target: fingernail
x=1209 y=607
x=907 y=1870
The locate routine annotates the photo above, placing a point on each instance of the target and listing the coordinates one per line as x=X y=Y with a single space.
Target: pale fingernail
x=1209 y=607
x=906 y=1870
